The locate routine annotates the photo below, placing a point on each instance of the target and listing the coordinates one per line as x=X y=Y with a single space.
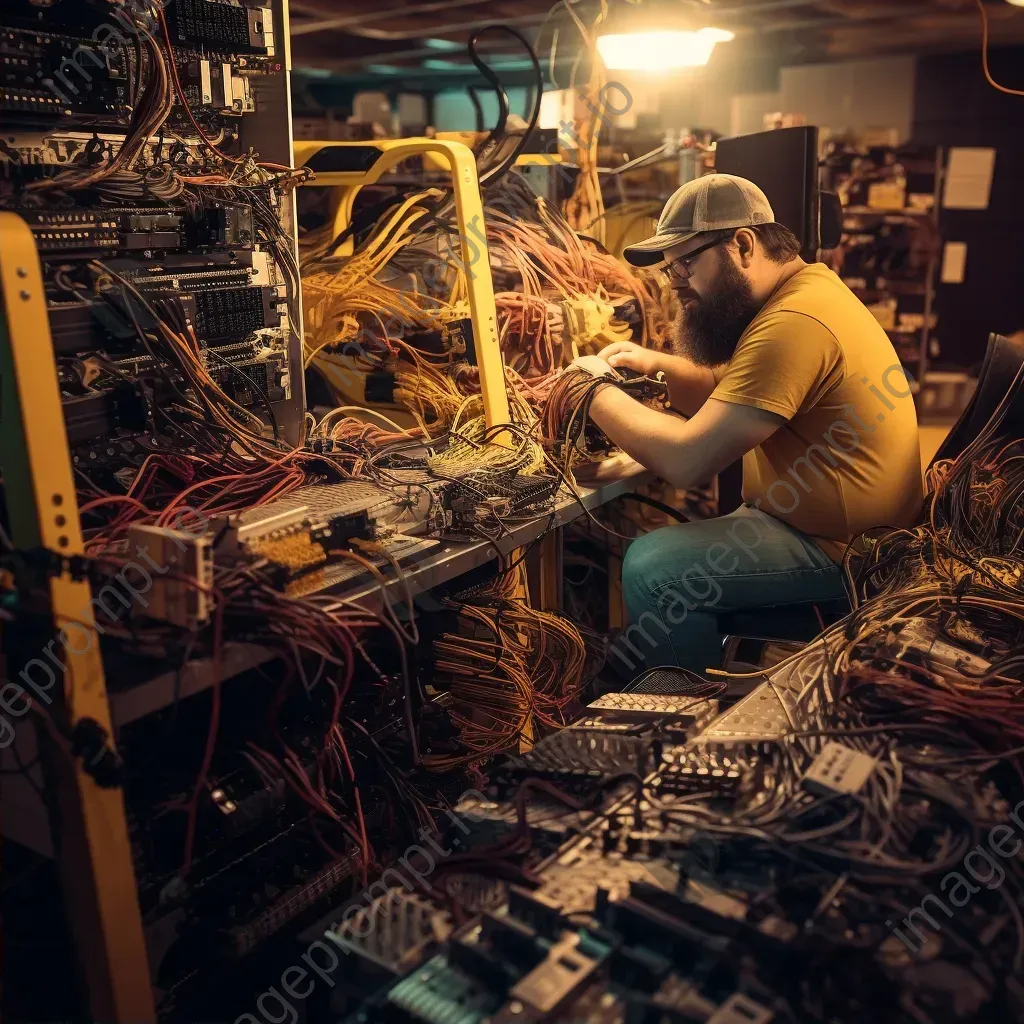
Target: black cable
x=200 y=389
x=22 y=768
x=366 y=218
x=491 y=176
x=600 y=246
x=498 y=131
x=257 y=386
x=574 y=491
x=26 y=770
x=443 y=206
x=477 y=108
x=659 y=505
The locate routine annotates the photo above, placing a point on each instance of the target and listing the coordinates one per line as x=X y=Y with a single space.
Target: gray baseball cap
x=713 y=202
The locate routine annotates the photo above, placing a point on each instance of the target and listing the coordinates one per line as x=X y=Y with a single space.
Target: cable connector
x=89 y=741
x=589 y=323
x=839 y=769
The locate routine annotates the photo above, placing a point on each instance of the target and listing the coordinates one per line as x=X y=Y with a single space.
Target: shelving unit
x=889 y=254
x=58 y=806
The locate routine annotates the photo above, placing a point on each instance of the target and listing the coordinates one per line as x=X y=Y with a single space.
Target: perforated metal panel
x=792 y=699
x=668 y=681
x=475 y=893
x=655 y=704
x=686 y=770
x=574 y=879
x=675 y=714
x=587 y=753
x=323 y=501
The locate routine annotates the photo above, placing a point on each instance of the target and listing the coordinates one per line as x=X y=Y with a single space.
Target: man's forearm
x=657 y=440
x=689 y=385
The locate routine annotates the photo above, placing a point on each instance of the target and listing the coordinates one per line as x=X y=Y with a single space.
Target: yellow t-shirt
x=848 y=457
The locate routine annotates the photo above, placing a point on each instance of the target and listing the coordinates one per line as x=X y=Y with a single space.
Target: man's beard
x=708 y=330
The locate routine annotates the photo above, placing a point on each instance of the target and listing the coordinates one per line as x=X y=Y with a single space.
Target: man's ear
x=746 y=244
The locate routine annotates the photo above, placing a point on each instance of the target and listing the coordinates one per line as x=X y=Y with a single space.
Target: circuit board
x=122 y=251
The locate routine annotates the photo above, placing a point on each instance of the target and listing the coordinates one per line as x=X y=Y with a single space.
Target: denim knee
x=645 y=568
x=637 y=565
x=668 y=566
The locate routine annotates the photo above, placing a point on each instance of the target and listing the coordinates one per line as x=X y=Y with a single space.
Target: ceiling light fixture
x=660 y=51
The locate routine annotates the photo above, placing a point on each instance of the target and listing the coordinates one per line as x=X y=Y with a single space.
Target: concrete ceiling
x=346 y=37
x=420 y=45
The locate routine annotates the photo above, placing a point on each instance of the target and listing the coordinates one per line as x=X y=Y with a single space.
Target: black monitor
x=783 y=163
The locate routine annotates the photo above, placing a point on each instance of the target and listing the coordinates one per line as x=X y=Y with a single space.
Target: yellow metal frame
x=471 y=139
x=469 y=212
x=92 y=848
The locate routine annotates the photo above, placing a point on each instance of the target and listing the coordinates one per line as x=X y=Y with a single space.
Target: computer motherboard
x=163 y=275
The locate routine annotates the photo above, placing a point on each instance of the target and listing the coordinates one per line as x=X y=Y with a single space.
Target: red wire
x=181 y=92
x=211 y=738
x=112 y=499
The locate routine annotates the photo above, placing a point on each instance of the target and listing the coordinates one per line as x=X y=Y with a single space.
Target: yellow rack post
x=91 y=842
x=350 y=165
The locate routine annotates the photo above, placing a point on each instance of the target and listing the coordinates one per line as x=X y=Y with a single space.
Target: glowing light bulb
x=660 y=51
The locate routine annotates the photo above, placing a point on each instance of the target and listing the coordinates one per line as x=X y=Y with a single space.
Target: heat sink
x=394 y=931
x=669 y=680
x=684 y=771
x=690 y=714
x=289 y=906
x=794 y=698
x=314 y=503
x=586 y=754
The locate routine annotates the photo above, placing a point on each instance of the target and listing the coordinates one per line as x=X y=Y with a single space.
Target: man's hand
x=630 y=356
x=594 y=365
x=689 y=386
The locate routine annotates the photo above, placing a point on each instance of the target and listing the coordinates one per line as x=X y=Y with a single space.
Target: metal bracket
x=351 y=165
x=90 y=831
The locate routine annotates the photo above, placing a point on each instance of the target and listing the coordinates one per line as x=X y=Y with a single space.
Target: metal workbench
x=132 y=700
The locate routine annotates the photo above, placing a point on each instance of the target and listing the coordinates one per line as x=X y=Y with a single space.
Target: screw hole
x=60 y=520
x=62 y=542
x=58 y=499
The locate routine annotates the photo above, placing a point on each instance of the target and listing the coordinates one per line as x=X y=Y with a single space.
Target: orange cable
x=984 y=55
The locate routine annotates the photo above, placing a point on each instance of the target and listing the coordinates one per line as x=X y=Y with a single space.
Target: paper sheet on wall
x=954 y=262
x=969 y=178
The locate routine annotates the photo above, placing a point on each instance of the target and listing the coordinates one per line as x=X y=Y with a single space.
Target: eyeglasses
x=684 y=264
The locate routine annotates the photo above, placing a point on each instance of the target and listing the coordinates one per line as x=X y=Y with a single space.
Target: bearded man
x=779 y=363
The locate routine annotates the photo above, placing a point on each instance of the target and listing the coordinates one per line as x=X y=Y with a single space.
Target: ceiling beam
x=888 y=13
x=417 y=53
x=324 y=24
x=841 y=29
x=946 y=34
x=417 y=30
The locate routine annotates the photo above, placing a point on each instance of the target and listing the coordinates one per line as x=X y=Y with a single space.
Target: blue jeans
x=678 y=579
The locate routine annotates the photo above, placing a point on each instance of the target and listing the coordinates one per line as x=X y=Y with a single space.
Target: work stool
x=748 y=633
